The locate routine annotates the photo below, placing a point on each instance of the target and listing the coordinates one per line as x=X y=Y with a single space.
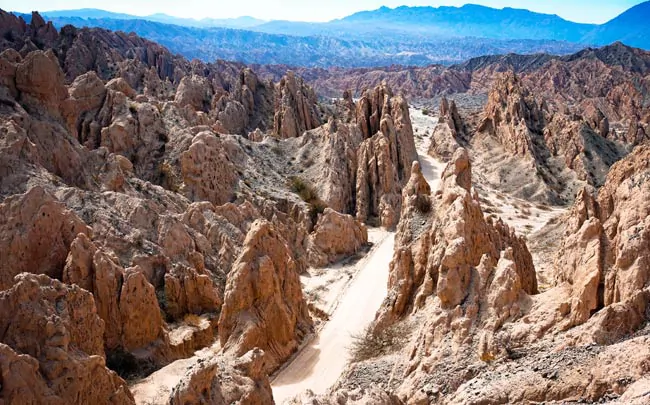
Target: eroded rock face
x=385 y=157
x=468 y=274
x=443 y=239
x=37 y=231
x=194 y=91
x=208 y=171
x=52 y=348
x=334 y=237
x=263 y=303
x=295 y=108
x=512 y=115
x=450 y=132
x=373 y=395
x=604 y=255
x=223 y=380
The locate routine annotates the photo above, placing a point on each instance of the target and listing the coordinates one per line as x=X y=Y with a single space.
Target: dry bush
x=193 y=320
x=303 y=189
x=372 y=343
x=423 y=204
x=309 y=195
x=319 y=313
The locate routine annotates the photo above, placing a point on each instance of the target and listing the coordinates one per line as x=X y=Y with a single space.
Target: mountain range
x=417 y=36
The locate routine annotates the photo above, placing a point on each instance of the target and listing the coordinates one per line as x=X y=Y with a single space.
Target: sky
x=588 y=11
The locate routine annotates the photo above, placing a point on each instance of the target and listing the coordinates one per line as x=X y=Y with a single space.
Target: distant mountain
x=632 y=28
x=315 y=51
x=92 y=13
x=474 y=21
x=404 y=35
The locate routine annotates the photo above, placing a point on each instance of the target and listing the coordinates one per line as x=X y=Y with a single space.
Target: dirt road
x=321 y=362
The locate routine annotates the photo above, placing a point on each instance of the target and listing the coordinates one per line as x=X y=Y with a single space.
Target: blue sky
x=595 y=11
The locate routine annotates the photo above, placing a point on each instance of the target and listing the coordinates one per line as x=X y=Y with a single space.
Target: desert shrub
x=193 y=320
x=169 y=179
x=425 y=111
x=309 y=195
x=319 y=313
x=127 y=366
x=423 y=204
x=303 y=189
x=374 y=343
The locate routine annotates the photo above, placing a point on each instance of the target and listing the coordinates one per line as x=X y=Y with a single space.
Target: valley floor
x=349 y=294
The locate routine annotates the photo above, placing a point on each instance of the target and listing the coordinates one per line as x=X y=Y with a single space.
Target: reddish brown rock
x=189 y=292
x=40 y=81
x=194 y=91
x=263 y=303
x=36 y=232
x=52 y=349
x=142 y=322
x=208 y=171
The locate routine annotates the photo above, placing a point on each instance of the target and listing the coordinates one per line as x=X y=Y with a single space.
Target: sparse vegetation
x=303 y=189
x=127 y=366
x=374 y=343
x=193 y=320
x=423 y=204
x=309 y=195
x=425 y=111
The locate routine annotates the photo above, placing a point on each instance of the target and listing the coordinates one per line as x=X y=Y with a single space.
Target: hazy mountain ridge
x=417 y=36
x=87 y=13
x=248 y=46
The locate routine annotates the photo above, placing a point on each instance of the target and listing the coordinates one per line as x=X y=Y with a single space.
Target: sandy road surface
x=321 y=362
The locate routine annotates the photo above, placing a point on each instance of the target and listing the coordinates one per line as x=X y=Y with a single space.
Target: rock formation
x=52 y=348
x=335 y=236
x=263 y=302
x=604 y=255
x=443 y=239
x=221 y=380
x=37 y=233
x=385 y=157
x=295 y=108
x=450 y=133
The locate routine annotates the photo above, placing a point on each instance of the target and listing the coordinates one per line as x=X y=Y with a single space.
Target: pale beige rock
x=121 y=85
x=450 y=132
x=385 y=158
x=334 y=237
x=295 y=108
x=367 y=396
x=223 y=380
x=602 y=256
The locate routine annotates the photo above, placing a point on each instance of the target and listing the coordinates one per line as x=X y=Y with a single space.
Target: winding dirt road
x=318 y=365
